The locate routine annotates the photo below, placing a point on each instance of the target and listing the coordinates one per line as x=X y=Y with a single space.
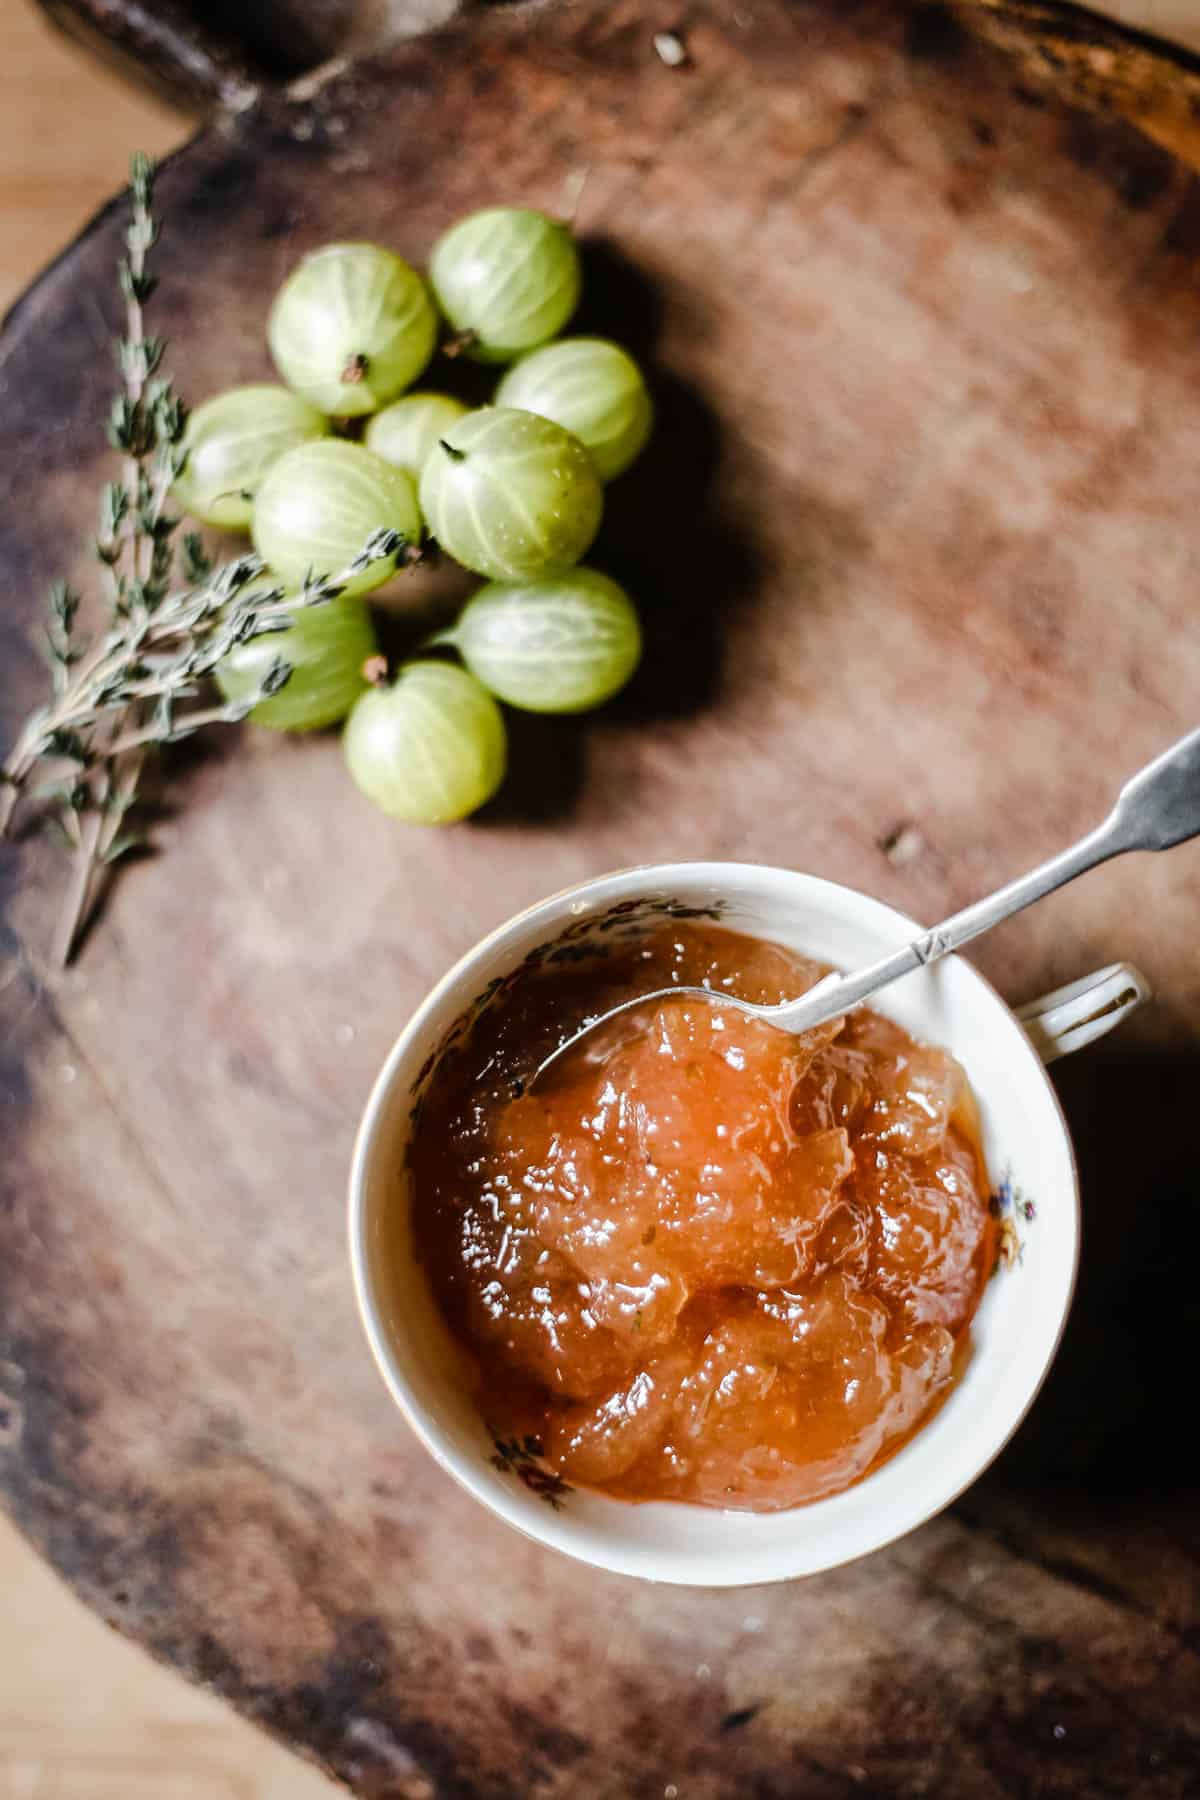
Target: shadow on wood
x=1110 y=1419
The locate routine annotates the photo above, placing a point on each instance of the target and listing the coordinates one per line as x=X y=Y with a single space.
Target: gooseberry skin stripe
x=511 y=495
x=319 y=504
x=326 y=647
x=349 y=300
x=233 y=440
x=430 y=749
x=406 y=432
x=508 y=276
x=591 y=387
x=561 y=645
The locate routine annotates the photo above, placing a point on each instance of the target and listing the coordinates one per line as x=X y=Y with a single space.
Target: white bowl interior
x=1014 y=1335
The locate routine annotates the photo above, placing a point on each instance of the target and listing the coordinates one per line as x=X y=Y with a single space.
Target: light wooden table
x=1177 y=19
x=84 y=1716
x=66 y=130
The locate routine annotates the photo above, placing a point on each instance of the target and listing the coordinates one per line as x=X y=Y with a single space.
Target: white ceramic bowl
x=1015 y=1332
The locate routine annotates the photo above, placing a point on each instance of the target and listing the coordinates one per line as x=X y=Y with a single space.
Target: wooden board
x=1128 y=59
x=917 y=543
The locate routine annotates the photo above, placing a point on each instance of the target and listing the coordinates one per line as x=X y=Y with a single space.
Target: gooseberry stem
x=459 y=343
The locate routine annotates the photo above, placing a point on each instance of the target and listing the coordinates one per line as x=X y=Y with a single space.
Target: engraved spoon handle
x=1157 y=808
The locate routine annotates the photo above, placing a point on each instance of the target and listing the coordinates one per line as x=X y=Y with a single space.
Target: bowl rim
x=608 y=1555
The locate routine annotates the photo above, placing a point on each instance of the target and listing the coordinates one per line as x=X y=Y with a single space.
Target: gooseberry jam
x=701 y=1259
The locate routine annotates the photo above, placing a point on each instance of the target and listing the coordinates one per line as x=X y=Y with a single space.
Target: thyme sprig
x=140 y=680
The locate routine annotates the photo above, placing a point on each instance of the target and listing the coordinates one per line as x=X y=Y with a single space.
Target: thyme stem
x=146 y=492
x=137 y=681
x=78 y=902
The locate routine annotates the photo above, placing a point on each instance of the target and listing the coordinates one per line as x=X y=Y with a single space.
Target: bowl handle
x=1084 y=1010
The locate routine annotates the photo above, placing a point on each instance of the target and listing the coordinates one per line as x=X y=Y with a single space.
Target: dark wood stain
x=916 y=541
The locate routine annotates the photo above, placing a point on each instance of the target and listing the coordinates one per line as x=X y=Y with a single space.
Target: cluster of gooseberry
x=513 y=491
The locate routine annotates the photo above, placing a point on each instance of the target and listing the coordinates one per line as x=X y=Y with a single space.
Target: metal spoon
x=1156 y=809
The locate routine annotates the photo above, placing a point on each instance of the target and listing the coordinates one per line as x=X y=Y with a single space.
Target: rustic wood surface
x=917 y=544
x=1068 y=51
x=1122 y=58
x=208 y=52
x=84 y=1715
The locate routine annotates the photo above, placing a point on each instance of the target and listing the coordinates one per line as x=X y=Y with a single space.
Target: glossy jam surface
x=701 y=1259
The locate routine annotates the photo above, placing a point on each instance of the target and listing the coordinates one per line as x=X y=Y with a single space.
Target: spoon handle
x=1157 y=808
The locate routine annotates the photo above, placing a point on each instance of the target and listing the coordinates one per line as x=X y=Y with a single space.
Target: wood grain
x=1078 y=55
x=217 y=53
x=1122 y=59
x=916 y=542
x=82 y=1715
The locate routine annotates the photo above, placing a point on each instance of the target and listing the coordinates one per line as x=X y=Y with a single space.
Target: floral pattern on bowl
x=522 y=1457
x=1009 y=1204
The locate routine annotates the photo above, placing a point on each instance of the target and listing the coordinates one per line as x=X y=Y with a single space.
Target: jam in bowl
x=701 y=1259
x=707 y=1303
